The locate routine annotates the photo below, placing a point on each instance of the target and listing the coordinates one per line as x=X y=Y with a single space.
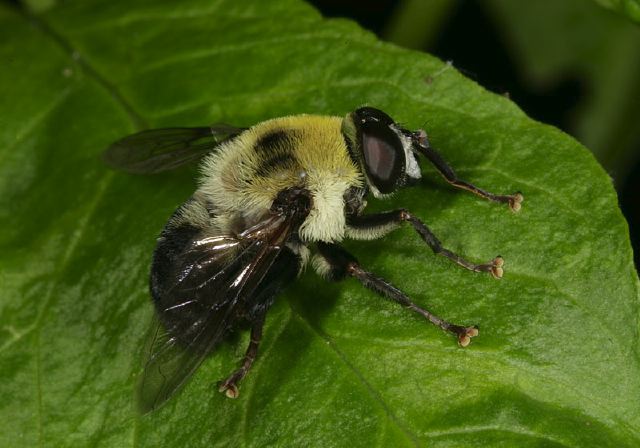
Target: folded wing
x=214 y=282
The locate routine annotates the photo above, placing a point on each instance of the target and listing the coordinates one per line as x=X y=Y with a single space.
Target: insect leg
x=376 y=225
x=230 y=385
x=340 y=263
x=422 y=143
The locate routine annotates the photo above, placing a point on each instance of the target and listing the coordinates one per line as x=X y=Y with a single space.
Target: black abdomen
x=192 y=289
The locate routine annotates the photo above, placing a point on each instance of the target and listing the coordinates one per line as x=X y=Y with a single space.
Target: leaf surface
x=556 y=362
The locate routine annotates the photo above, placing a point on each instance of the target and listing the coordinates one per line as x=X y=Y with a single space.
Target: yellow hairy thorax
x=244 y=176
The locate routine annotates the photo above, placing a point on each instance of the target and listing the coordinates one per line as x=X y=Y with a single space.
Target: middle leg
x=376 y=225
x=336 y=263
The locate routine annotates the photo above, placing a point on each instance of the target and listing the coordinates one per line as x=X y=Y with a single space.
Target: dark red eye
x=382 y=151
x=379 y=156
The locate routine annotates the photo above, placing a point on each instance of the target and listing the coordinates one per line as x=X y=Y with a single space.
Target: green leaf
x=556 y=362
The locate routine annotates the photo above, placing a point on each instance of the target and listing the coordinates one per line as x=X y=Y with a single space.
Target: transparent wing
x=156 y=150
x=213 y=283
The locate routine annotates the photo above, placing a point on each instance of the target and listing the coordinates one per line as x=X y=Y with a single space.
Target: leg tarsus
x=515 y=203
x=230 y=386
x=465 y=334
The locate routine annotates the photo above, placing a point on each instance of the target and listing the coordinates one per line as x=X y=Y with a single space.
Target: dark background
x=467 y=35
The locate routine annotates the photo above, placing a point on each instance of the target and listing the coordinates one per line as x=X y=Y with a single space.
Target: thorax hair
x=244 y=176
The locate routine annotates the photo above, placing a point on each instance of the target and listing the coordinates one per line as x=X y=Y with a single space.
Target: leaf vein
x=48 y=298
x=360 y=376
x=16 y=335
x=518 y=431
x=278 y=91
x=501 y=360
x=31 y=124
x=243 y=46
x=131 y=19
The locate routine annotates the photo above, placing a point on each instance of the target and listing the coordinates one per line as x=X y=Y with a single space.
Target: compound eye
x=379 y=156
x=383 y=156
x=371 y=114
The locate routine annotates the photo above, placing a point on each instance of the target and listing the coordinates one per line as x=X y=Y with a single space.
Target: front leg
x=422 y=142
x=379 y=224
x=334 y=263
